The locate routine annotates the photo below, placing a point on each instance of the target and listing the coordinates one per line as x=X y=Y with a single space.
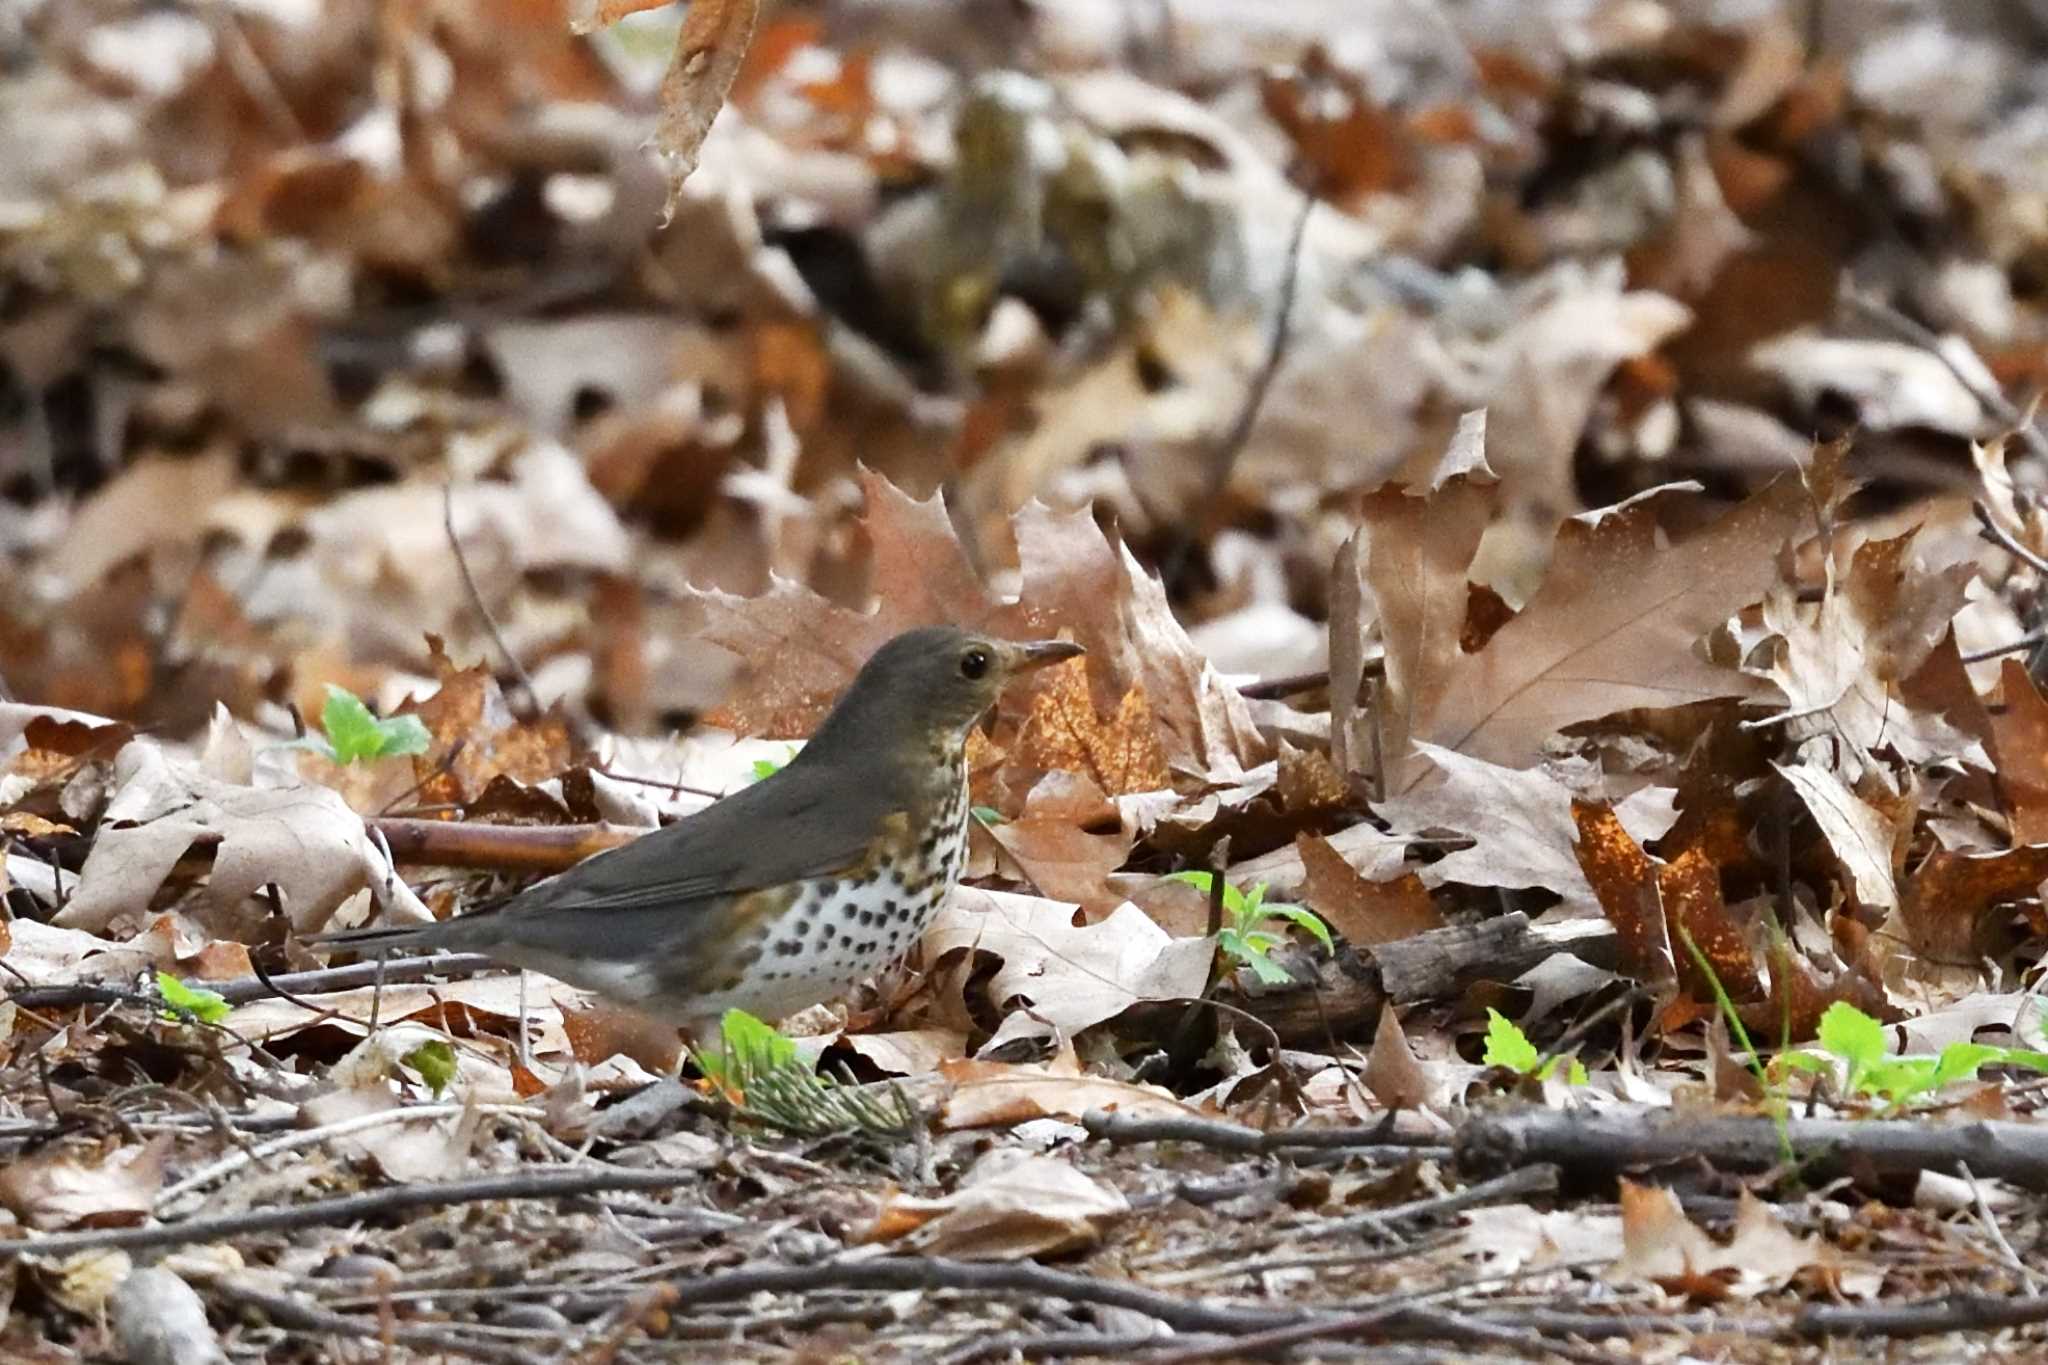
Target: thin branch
x=547 y=1183
x=242 y=989
x=476 y=602
x=299 y=1316
x=1903 y=328
x=1124 y=1129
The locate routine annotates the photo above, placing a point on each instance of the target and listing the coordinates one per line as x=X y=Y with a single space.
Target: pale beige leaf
x=1011 y=1206
x=1071 y=977
x=1860 y=836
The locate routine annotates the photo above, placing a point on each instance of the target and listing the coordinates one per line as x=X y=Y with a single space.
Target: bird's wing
x=800 y=823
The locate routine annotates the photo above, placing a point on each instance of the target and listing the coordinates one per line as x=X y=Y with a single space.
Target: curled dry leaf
x=1660 y=1243
x=300 y=837
x=1392 y=1073
x=1068 y=840
x=2019 y=744
x=1072 y=977
x=991 y=1094
x=709 y=50
x=1361 y=910
x=62 y=1189
x=1011 y=1206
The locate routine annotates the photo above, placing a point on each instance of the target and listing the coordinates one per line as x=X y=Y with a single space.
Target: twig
x=546 y=1183
x=312 y=1137
x=2032 y=640
x=1606 y=1143
x=1223 y=456
x=1064 y=1345
x=1989 y=1219
x=1990 y=530
x=1890 y=319
x=1930 y=1317
x=892 y=1273
x=242 y=989
x=1124 y=1129
x=476 y=602
x=298 y=1316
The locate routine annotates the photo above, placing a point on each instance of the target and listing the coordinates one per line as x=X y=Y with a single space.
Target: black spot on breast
x=890 y=909
x=825 y=888
x=788 y=947
x=865 y=918
x=825 y=932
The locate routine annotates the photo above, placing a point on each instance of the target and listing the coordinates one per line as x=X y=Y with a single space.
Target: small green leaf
x=989 y=816
x=1804 y=1061
x=1856 y=1038
x=1253 y=899
x=435 y=1061
x=1306 y=919
x=1507 y=1045
x=1246 y=950
x=1575 y=1074
x=1201 y=881
x=353 y=734
x=1578 y=1074
x=208 y=1007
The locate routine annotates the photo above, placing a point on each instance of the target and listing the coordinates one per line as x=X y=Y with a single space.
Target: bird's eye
x=973 y=664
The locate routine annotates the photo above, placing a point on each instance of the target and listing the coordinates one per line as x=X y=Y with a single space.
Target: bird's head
x=934 y=683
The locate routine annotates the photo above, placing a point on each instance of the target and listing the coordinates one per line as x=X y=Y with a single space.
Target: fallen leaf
x=1071 y=977
x=1053 y=843
x=1120 y=754
x=55 y=1188
x=1362 y=911
x=998 y=1094
x=1392 y=1073
x=1661 y=1244
x=301 y=837
x=1011 y=1205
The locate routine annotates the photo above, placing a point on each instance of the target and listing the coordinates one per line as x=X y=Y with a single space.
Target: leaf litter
x=1501 y=539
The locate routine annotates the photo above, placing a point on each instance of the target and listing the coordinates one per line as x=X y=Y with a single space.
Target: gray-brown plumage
x=789 y=891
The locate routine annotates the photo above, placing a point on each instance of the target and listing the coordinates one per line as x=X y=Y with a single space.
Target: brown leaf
x=59 y=1189
x=1362 y=911
x=1053 y=843
x=2019 y=743
x=1625 y=880
x=477 y=739
x=710 y=48
x=1614 y=625
x=1012 y=1205
x=1660 y=1243
x=989 y=1094
x=1393 y=1075
x=1063 y=731
x=1952 y=904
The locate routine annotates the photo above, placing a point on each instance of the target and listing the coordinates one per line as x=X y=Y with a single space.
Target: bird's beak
x=1039 y=653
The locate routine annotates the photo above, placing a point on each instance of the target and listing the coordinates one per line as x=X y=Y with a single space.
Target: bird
x=790 y=891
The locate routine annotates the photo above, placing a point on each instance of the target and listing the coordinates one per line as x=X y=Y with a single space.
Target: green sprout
x=1244 y=938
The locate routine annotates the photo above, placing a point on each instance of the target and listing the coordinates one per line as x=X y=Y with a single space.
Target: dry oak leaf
x=1061 y=843
x=801 y=649
x=710 y=48
x=1062 y=731
x=1863 y=839
x=302 y=838
x=1660 y=1243
x=1648 y=902
x=1360 y=909
x=1612 y=628
x=1519 y=820
x=1011 y=1206
x=1073 y=977
x=1841 y=666
x=2019 y=744
x=469 y=710
x=997 y=1094
x=56 y=1189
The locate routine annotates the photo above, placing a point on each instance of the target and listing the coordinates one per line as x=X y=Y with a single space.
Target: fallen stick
x=558 y=1182
x=1604 y=1145
x=241 y=990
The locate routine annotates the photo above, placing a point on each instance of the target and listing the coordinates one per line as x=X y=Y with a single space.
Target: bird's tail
x=380 y=938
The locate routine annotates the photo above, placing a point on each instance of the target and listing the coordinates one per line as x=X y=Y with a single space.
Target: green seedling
x=1244 y=938
x=353 y=735
x=1854 y=1044
x=1507 y=1046
x=758 y=1071
x=435 y=1063
x=768 y=767
x=183 y=1002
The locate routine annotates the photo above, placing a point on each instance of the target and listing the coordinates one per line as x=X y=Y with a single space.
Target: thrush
x=788 y=892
